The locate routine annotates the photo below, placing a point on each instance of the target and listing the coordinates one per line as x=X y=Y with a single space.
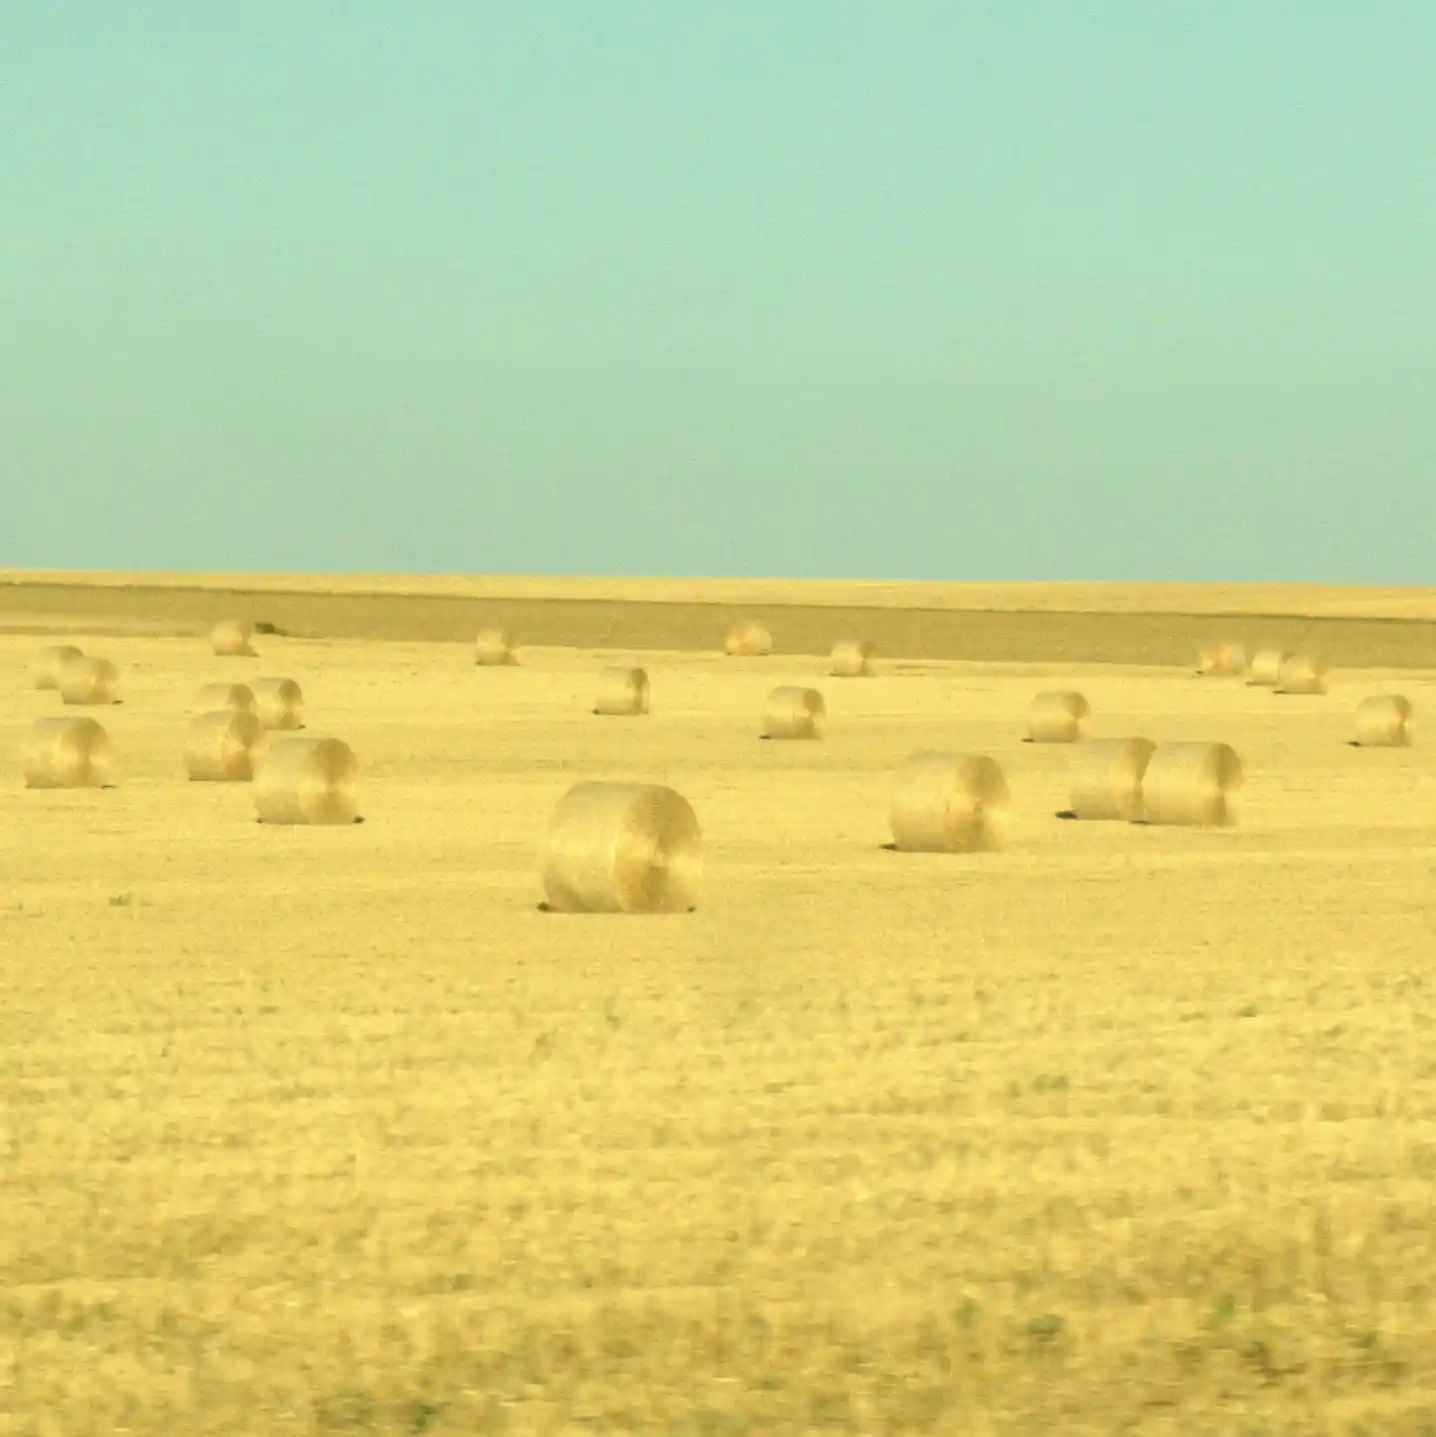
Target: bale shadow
x=889 y=847
x=1065 y=814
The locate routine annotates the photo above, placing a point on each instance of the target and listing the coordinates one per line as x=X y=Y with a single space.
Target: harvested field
x=1125 y=1128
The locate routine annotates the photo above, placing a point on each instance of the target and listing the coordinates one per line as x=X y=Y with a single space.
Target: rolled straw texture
x=623 y=848
x=45 y=670
x=221 y=747
x=1107 y=778
x=494 y=648
x=238 y=698
x=622 y=692
x=748 y=640
x=68 y=753
x=307 y=779
x=950 y=803
x=794 y=712
x=1220 y=659
x=1301 y=674
x=853 y=659
x=230 y=638
x=1266 y=667
x=278 y=703
x=89 y=681
x=1193 y=783
x=1058 y=718
x=1385 y=721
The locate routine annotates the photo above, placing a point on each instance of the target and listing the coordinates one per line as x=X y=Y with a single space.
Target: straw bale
x=494 y=648
x=622 y=692
x=278 y=703
x=45 y=670
x=230 y=638
x=623 y=848
x=1220 y=659
x=1265 y=667
x=239 y=698
x=1058 y=718
x=748 y=640
x=1301 y=674
x=950 y=803
x=853 y=659
x=307 y=779
x=64 y=752
x=794 y=712
x=89 y=681
x=1193 y=783
x=222 y=746
x=1385 y=721
x=1107 y=778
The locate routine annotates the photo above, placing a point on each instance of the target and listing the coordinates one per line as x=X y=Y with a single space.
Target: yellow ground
x=1126 y=1130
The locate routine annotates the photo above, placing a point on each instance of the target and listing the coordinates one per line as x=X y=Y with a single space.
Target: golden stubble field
x=1124 y=1130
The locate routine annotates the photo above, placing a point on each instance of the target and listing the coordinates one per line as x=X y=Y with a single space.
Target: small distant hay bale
x=222 y=746
x=237 y=698
x=748 y=640
x=49 y=662
x=1301 y=674
x=307 y=779
x=230 y=638
x=1265 y=667
x=1385 y=721
x=794 y=712
x=89 y=681
x=278 y=703
x=853 y=659
x=68 y=753
x=950 y=803
x=1058 y=718
x=623 y=848
x=1107 y=779
x=494 y=648
x=1193 y=783
x=622 y=692
x=1221 y=660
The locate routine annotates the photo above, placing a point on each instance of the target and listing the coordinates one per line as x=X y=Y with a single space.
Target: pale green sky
x=928 y=289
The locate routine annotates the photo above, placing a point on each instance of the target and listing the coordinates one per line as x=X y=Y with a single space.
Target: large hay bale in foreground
x=64 y=752
x=794 y=712
x=623 y=848
x=278 y=703
x=1385 y=721
x=307 y=779
x=49 y=662
x=950 y=803
x=1107 y=779
x=1058 y=718
x=90 y=681
x=1301 y=674
x=622 y=692
x=237 y=698
x=222 y=746
x=852 y=659
x=1193 y=783
x=748 y=640
x=1220 y=659
x=494 y=648
x=1265 y=667
x=230 y=638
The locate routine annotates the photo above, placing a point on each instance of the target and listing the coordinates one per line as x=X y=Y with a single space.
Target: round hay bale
x=494 y=648
x=748 y=640
x=278 y=703
x=1301 y=674
x=45 y=670
x=1265 y=667
x=622 y=692
x=238 y=698
x=1058 y=718
x=68 y=753
x=1221 y=660
x=853 y=659
x=623 y=848
x=1107 y=779
x=89 y=681
x=307 y=779
x=1193 y=783
x=950 y=803
x=794 y=712
x=230 y=638
x=1385 y=721
x=222 y=746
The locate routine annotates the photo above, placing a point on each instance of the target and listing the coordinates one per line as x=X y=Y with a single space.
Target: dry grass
x=330 y=1130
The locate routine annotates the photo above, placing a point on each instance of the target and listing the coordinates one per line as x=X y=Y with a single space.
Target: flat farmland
x=331 y=1130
